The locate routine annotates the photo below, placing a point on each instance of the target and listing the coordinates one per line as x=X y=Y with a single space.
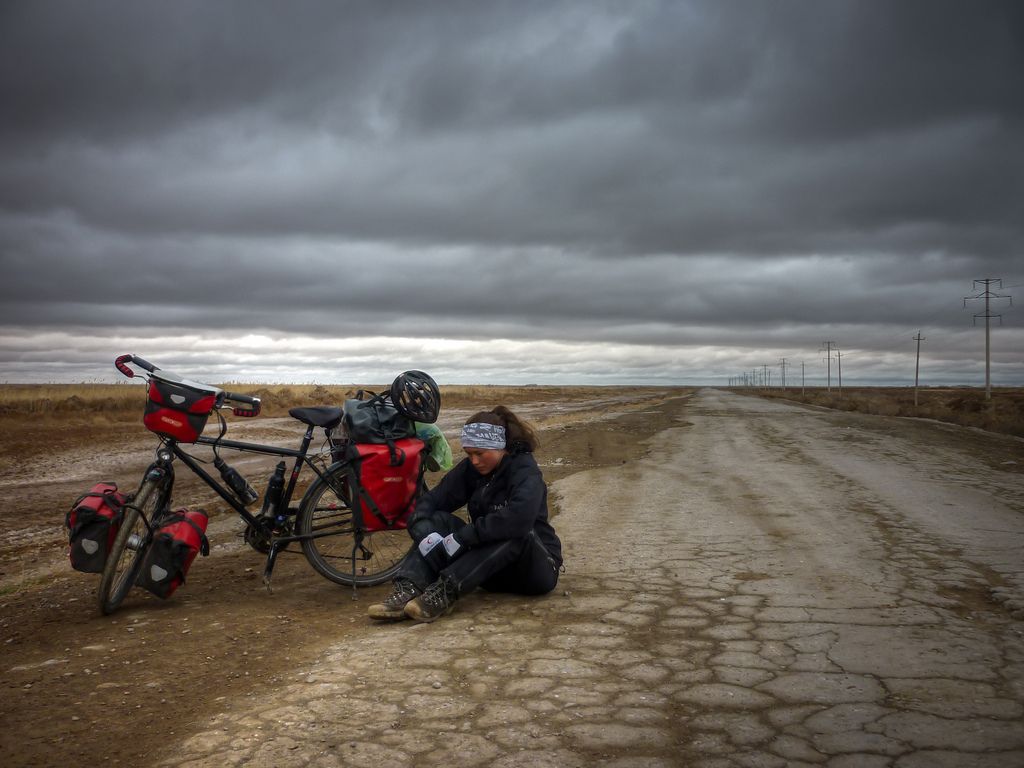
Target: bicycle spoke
x=327 y=519
x=129 y=548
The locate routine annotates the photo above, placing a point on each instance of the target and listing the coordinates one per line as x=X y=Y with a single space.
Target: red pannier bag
x=178 y=538
x=92 y=525
x=389 y=479
x=178 y=409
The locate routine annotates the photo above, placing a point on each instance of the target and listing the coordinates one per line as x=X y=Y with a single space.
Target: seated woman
x=507 y=545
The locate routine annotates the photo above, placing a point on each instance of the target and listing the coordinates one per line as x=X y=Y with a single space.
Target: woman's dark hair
x=519 y=436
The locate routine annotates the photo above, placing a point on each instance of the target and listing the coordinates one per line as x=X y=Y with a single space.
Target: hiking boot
x=436 y=600
x=393 y=606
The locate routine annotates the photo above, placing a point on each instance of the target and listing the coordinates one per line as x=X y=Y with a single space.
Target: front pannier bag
x=388 y=490
x=178 y=409
x=92 y=525
x=176 y=542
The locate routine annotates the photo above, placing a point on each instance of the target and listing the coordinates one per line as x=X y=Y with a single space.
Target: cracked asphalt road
x=772 y=585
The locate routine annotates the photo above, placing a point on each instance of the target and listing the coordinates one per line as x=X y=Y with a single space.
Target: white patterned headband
x=482 y=435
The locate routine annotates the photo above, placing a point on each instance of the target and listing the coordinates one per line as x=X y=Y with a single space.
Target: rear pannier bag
x=92 y=525
x=177 y=540
x=178 y=409
x=388 y=490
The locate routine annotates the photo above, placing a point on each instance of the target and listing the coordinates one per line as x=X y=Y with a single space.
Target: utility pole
x=917 y=366
x=988 y=295
x=783 y=363
x=829 y=345
x=764 y=376
x=839 y=361
x=803 y=379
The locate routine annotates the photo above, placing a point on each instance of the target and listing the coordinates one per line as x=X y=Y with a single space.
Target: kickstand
x=268 y=569
x=365 y=554
x=354 y=595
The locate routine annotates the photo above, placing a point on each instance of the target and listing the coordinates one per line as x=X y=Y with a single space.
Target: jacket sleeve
x=448 y=495
x=513 y=519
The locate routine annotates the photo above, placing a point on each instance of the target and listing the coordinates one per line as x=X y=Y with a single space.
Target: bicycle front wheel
x=130 y=545
x=332 y=546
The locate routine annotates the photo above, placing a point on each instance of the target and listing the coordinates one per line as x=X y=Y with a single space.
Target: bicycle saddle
x=326 y=416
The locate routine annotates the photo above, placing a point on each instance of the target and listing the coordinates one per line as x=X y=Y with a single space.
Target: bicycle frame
x=301 y=455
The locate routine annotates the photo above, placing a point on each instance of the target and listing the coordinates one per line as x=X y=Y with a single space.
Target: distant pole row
x=761 y=376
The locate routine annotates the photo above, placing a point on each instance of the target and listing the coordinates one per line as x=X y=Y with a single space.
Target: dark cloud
x=728 y=173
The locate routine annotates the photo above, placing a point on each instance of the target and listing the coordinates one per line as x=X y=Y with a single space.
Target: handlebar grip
x=252 y=402
x=121 y=361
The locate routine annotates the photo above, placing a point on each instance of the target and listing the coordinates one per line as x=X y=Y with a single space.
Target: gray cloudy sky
x=576 y=191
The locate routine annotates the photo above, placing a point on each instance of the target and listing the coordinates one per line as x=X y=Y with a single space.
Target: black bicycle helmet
x=416 y=396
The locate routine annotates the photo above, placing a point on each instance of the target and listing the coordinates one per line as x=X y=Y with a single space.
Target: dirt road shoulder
x=80 y=688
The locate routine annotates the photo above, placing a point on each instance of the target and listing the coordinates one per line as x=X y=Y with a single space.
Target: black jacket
x=507 y=504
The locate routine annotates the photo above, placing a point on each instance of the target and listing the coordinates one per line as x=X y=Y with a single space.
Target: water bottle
x=245 y=492
x=272 y=498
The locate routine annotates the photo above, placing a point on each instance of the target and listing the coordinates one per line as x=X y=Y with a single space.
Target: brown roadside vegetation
x=967 y=407
x=102 y=402
x=32 y=416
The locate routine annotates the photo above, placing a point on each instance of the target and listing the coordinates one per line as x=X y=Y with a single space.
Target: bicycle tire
x=325 y=511
x=127 y=553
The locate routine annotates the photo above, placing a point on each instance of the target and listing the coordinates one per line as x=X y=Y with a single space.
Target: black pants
x=522 y=566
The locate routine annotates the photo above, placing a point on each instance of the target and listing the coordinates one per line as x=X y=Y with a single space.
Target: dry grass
x=85 y=403
x=966 y=407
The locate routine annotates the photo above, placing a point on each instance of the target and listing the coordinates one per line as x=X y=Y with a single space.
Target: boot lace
x=402 y=592
x=438 y=596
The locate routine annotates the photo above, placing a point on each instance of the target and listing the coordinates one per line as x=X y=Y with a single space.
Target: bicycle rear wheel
x=129 y=548
x=325 y=516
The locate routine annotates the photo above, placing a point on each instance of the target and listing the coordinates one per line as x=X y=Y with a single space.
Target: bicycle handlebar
x=252 y=403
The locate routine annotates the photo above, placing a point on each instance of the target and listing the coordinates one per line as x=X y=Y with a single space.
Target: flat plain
x=748 y=582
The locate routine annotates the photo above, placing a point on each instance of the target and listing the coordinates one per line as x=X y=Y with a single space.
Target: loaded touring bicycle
x=349 y=522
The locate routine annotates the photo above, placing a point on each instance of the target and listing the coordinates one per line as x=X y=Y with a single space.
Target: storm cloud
x=498 y=191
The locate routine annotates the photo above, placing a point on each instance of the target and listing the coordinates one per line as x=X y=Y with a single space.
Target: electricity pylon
x=988 y=295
